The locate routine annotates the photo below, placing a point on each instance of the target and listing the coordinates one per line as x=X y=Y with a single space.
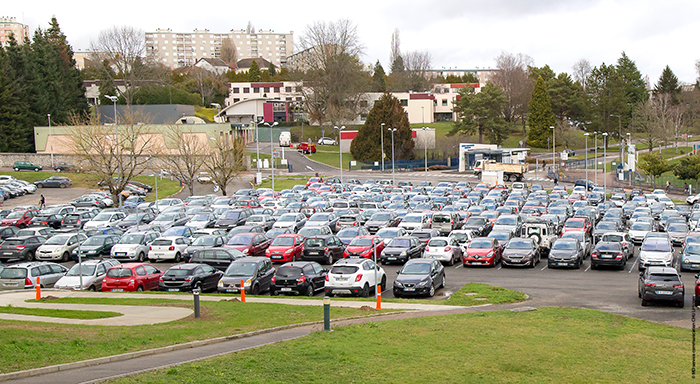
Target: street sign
x=564 y=156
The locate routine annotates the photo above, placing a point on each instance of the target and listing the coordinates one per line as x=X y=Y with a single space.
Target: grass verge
x=550 y=345
x=60 y=313
x=283 y=182
x=25 y=345
x=328 y=154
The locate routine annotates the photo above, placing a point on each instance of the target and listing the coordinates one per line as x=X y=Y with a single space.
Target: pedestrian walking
x=42 y=202
x=668 y=186
x=685 y=188
x=556 y=180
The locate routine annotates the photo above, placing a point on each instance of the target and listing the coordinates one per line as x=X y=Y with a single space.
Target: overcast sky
x=462 y=34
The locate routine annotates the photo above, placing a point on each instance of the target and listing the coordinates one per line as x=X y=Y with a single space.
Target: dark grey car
x=661 y=284
x=419 y=277
x=566 y=252
x=255 y=272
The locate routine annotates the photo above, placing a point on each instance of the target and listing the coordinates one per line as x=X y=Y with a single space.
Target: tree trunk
x=481 y=134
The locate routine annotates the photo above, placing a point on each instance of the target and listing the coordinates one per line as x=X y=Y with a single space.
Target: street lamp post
x=116 y=138
x=51 y=144
x=393 y=167
x=619 y=135
x=272 y=155
x=595 y=162
x=605 y=176
x=586 y=158
x=381 y=130
x=629 y=170
x=425 y=143
x=340 y=152
x=554 y=145
x=257 y=151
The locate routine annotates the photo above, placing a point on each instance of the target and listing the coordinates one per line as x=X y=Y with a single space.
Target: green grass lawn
x=62 y=313
x=166 y=187
x=550 y=345
x=328 y=154
x=282 y=182
x=25 y=345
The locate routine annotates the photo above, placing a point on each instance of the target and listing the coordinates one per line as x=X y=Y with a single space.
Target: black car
x=401 y=249
x=233 y=218
x=76 y=220
x=608 y=253
x=40 y=220
x=219 y=258
x=481 y=225
x=299 y=278
x=23 y=248
x=63 y=166
x=566 y=252
x=661 y=284
x=189 y=277
x=419 y=277
x=255 y=272
x=7 y=232
x=134 y=219
x=328 y=248
x=54 y=182
x=96 y=246
x=204 y=242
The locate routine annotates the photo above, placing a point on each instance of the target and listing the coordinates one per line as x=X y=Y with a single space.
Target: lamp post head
x=605 y=133
x=383 y=124
x=551 y=127
x=586 y=134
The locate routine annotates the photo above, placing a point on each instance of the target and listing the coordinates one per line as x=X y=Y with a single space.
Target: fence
x=406 y=165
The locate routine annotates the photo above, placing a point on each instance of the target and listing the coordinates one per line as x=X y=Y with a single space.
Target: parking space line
x=543 y=268
x=500 y=266
x=459 y=266
x=633 y=264
x=587 y=268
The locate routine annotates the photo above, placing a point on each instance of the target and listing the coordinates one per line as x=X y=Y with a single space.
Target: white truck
x=511 y=172
x=285 y=139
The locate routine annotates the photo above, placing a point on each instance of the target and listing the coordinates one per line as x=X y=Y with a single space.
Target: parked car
x=130 y=277
x=286 y=247
x=327 y=141
x=566 y=253
x=63 y=166
x=521 y=251
x=203 y=242
x=95 y=246
x=382 y=219
x=326 y=248
x=26 y=166
x=254 y=272
x=367 y=246
x=54 y=182
x=419 y=277
x=75 y=220
x=41 y=219
x=401 y=249
x=306 y=148
x=7 y=232
x=168 y=248
x=133 y=246
x=233 y=218
x=59 y=247
x=219 y=258
x=690 y=257
x=299 y=278
x=661 y=284
x=24 y=275
x=608 y=253
x=22 y=248
x=89 y=272
x=655 y=251
x=89 y=201
x=443 y=249
x=354 y=277
x=293 y=221
x=265 y=221
x=19 y=218
x=251 y=244
x=483 y=251
x=105 y=219
x=190 y=277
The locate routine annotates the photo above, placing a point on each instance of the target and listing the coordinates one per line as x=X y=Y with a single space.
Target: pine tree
x=633 y=87
x=481 y=113
x=366 y=145
x=254 y=74
x=13 y=112
x=668 y=84
x=272 y=71
x=541 y=115
x=378 y=78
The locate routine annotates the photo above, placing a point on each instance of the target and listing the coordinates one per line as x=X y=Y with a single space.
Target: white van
x=285 y=139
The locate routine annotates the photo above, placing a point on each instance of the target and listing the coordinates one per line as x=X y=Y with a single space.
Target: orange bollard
x=379 y=298
x=242 y=291
x=38 y=288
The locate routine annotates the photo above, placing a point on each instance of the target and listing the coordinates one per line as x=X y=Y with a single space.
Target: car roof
x=664 y=270
x=351 y=261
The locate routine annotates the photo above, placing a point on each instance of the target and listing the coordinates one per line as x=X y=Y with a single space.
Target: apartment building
x=280 y=90
x=182 y=49
x=10 y=26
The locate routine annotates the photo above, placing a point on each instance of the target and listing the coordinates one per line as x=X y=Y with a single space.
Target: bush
x=439 y=168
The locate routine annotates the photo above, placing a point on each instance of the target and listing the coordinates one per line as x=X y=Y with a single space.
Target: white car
x=327 y=141
x=638 y=231
x=655 y=252
x=91 y=272
x=203 y=177
x=59 y=247
x=292 y=221
x=162 y=204
x=168 y=248
x=414 y=221
x=445 y=249
x=669 y=203
x=105 y=219
x=133 y=246
x=354 y=277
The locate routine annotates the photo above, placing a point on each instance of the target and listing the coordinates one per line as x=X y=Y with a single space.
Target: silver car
x=59 y=247
x=655 y=251
x=24 y=275
x=90 y=273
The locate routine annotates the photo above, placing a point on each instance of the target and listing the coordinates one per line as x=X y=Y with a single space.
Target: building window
x=288 y=89
x=298 y=98
x=235 y=90
x=277 y=89
x=363 y=117
x=267 y=89
x=404 y=102
x=363 y=103
x=246 y=90
x=256 y=89
x=444 y=102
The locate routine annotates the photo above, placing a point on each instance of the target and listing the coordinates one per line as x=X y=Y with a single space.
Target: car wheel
x=141 y=257
x=58 y=169
x=255 y=290
x=644 y=302
x=330 y=259
x=92 y=288
x=40 y=185
x=382 y=286
x=65 y=257
x=681 y=304
x=30 y=256
x=309 y=290
x=594 y=266
x=442 y=282
x=431 y=293
x=62 y=185
x=452 y=260
x=178 y=257
x=139 y=289
x=578 y=264
x=365 y=290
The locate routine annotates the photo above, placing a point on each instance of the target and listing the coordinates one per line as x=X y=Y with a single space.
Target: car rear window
x=119 y=272
x=574 y=224
x=289 y=272
x=13 y=273
x=178 y=272
x=608 y=247
x=315 y=243
x=162 y=242
x=441 y=218
x=13 y=242
x=344 y=269
x=664 y=277
x=437 y=243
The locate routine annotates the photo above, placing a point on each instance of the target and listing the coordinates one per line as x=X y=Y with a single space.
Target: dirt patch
x=49 y=298
x=235 y=300
x=367 y=308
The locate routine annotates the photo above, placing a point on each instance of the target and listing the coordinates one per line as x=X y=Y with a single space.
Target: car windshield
x=641 y=226
x=360 y=242
x=459 y=236
x=574 y=224
x=606 y=225
x=57 y=240
x=166 y=217
x=564 y=245
x=102 y=217
x=240 y=240
x=119 y=272
x=348 y=232
x=283 y=241
x=315 y=242
x=416 y=269
x=656 y=245
x=481 y=243
x=507 y=220
x=344 y=269
x=94 y=241
x=131 y=239
x=241 y=269
x=205 y=241
x=519 y=244
x=287 y=217
x=230 y=215
x=15 y=215
x=84 y=270
x=613 y=238
x=475 y=221
x=437 y=218
x=381 y=216
x=319 y=217
x=677 y=228
x=201 y=217
x=412 y=219
x=387 y=233
x=398 y=242
x=692 y=249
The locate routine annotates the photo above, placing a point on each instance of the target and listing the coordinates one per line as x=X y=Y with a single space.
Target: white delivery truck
x=511 y=172
x=285 y=139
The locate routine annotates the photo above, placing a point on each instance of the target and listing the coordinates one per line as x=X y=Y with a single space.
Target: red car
x=19 y=218
x=306 y=148
x=131 y=277
x=285 y=247
x=697 y=291
x=314 y=180
x=252 y=244
x=364 y=246
x=483 y=251
x=577 y=224
x=315 y=186
x=247 y=204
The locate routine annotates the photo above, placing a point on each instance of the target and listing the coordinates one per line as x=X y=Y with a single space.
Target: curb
x=169 y=348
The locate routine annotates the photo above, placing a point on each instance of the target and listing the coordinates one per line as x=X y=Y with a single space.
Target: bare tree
x=189 y=153
x=513 y=79
x=417 y=66
x=582 y=69
x=250 y=29
x=653 y=119
x=225 y=160
x=334 y=83
x=124 y=49
x=395 y=47
x=206 y=84
x=228 y=52
x=115 y=153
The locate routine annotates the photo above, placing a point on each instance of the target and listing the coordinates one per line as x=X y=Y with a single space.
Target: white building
x=182 y=49
x=10 y=26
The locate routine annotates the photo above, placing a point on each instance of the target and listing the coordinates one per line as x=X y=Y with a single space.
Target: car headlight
x=290 y=250
x=398 y=284
x=403 y=253
x=220 y=284
x=245 y=250
x=422 y=284
x=247 y=283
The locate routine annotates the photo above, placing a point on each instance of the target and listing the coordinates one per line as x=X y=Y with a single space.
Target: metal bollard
x=38 y=288
x=326 y=313
x=242 y=291
x=196 y=303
